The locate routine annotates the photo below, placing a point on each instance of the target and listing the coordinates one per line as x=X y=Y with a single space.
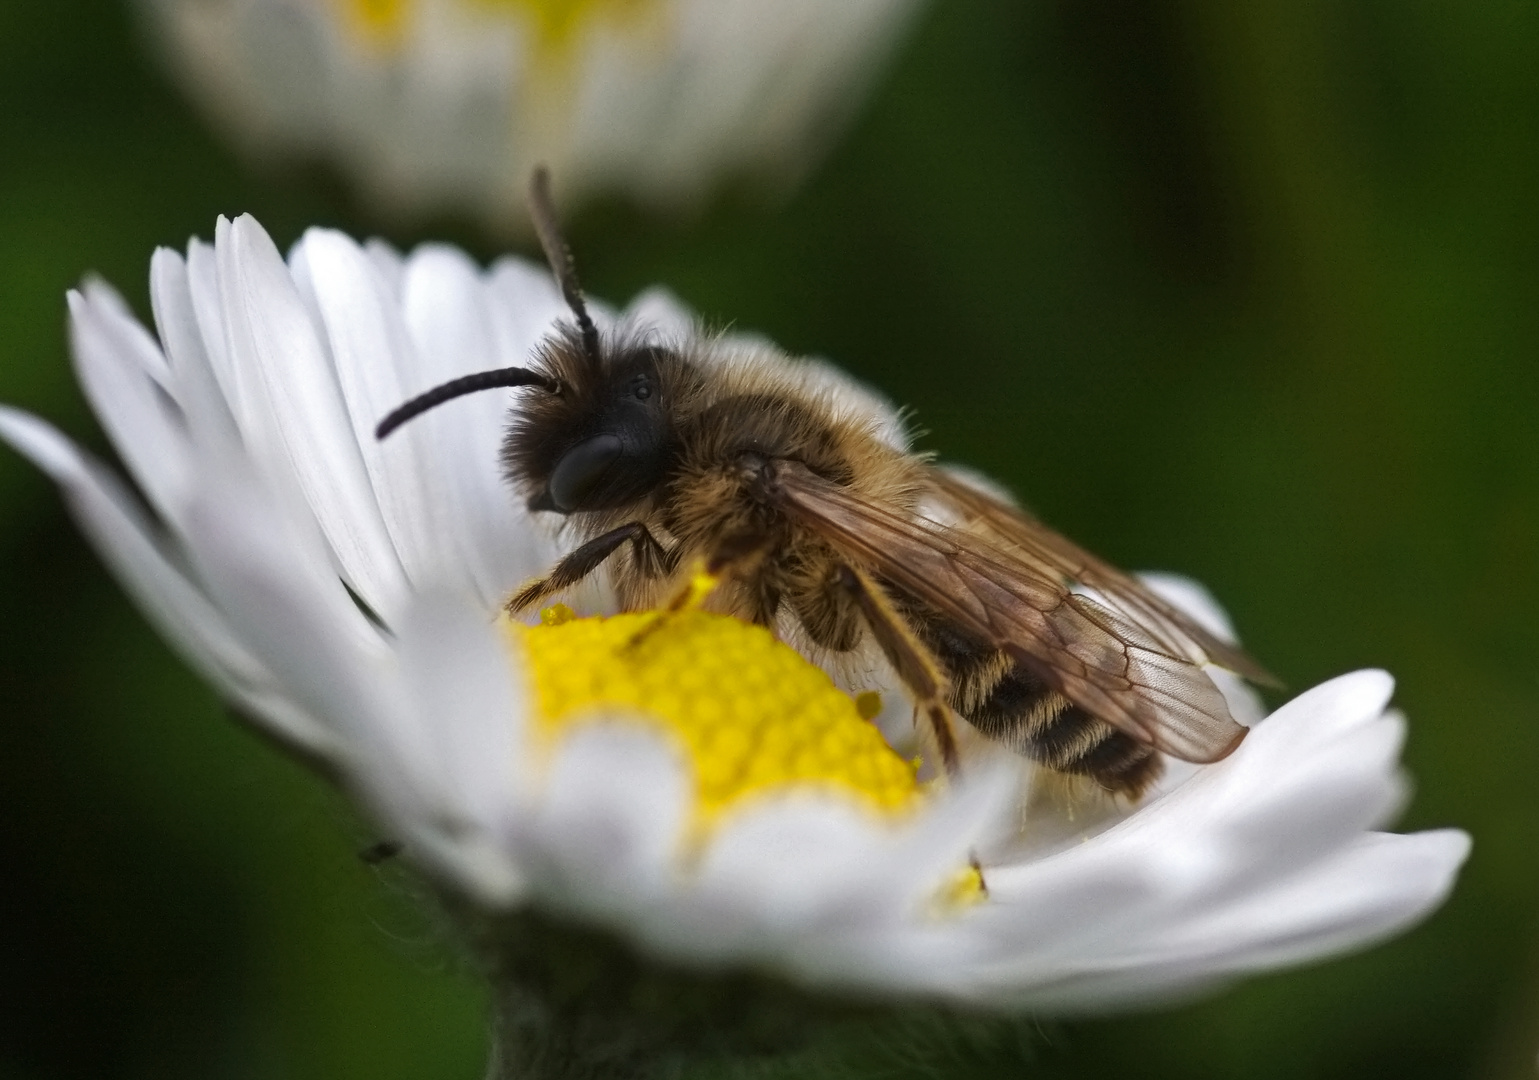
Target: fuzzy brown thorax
x=681 y=459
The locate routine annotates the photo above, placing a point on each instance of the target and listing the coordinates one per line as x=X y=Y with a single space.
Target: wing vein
x=1126 y=660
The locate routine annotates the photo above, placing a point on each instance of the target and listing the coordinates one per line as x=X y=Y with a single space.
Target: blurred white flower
x=448 y=104
x=345 y=594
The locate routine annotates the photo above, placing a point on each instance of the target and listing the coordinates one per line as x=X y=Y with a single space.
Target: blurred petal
x=204 y=408
x=449 y=104
x=445 y=769
x=177 y=607
x=606 y=830
x=125 y=378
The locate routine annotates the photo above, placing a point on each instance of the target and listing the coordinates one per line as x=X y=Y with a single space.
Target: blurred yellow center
x=749 y=714
x=554 y=22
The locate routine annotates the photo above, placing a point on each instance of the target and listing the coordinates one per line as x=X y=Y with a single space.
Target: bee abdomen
x=1072 y=741
x=1023 y=712
x=1009 y=703
x=1119 y=763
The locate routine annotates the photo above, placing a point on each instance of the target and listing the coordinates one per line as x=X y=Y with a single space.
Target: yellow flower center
x=554 y=23
x=381 y=19
x=749 y=714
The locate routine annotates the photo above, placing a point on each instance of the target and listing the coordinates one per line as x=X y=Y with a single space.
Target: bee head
x=599 y=435
x=604 y=439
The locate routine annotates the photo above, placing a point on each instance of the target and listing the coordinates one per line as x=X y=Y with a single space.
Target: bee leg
x=651 y=560
x=732 y=557
x=827 y=613
x=916 y=665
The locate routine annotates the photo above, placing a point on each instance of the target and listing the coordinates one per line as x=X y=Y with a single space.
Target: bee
x=669 y=457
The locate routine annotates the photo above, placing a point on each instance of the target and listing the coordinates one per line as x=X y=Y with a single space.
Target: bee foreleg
x=732 y=557
x=915 y=664
x=651 y=558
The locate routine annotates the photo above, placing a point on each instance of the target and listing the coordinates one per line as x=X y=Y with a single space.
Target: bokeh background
x=1246 y=291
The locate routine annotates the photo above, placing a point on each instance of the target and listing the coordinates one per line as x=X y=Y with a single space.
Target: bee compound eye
x=582 y=469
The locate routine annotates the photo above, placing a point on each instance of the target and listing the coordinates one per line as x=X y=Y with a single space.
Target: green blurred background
x=1246 y=291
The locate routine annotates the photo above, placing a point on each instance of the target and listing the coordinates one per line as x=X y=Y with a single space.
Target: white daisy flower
x=448 y=104
x=715 y=806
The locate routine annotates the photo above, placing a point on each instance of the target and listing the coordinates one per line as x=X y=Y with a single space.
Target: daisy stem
x=572 y=1003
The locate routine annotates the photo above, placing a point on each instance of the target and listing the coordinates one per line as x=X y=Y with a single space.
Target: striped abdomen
x=1010 y=704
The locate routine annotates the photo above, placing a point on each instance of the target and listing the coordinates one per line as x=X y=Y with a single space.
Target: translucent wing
x=1145 y=682
x=1060 y=557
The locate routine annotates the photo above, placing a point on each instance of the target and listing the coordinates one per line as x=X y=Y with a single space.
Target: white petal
x=1177 y=894
x=208 y=311
x=371 y=350
x=450 y=318
x=388 y=264
x=454 y=112
x=524 y=307
x=857 y=400
x=281 y=599
x=1254 y=817
x=658 y=311
x=290 y=396
x=176 y=606
x=1326 y=711
x=114 y=360
x=817 y=885
x=1192 y=600
x=1381 y=885
x=1378 y=885
x=606 y=829
x=444 y=768
x=197 y=387
x=798 y=858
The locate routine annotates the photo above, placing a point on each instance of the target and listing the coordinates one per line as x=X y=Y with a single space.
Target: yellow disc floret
x=553 y=23
x=749 y=714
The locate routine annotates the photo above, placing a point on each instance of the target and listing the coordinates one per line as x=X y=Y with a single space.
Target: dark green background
x=1246 y=291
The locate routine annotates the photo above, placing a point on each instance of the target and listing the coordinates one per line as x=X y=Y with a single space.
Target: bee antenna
x=467 y=384
x=543 y=210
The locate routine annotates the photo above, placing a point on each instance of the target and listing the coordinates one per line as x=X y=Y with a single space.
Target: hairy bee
x=668 y=456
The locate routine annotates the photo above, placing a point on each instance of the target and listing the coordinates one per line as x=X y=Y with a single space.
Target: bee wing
x=1110 y=666
x=1129 y=598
